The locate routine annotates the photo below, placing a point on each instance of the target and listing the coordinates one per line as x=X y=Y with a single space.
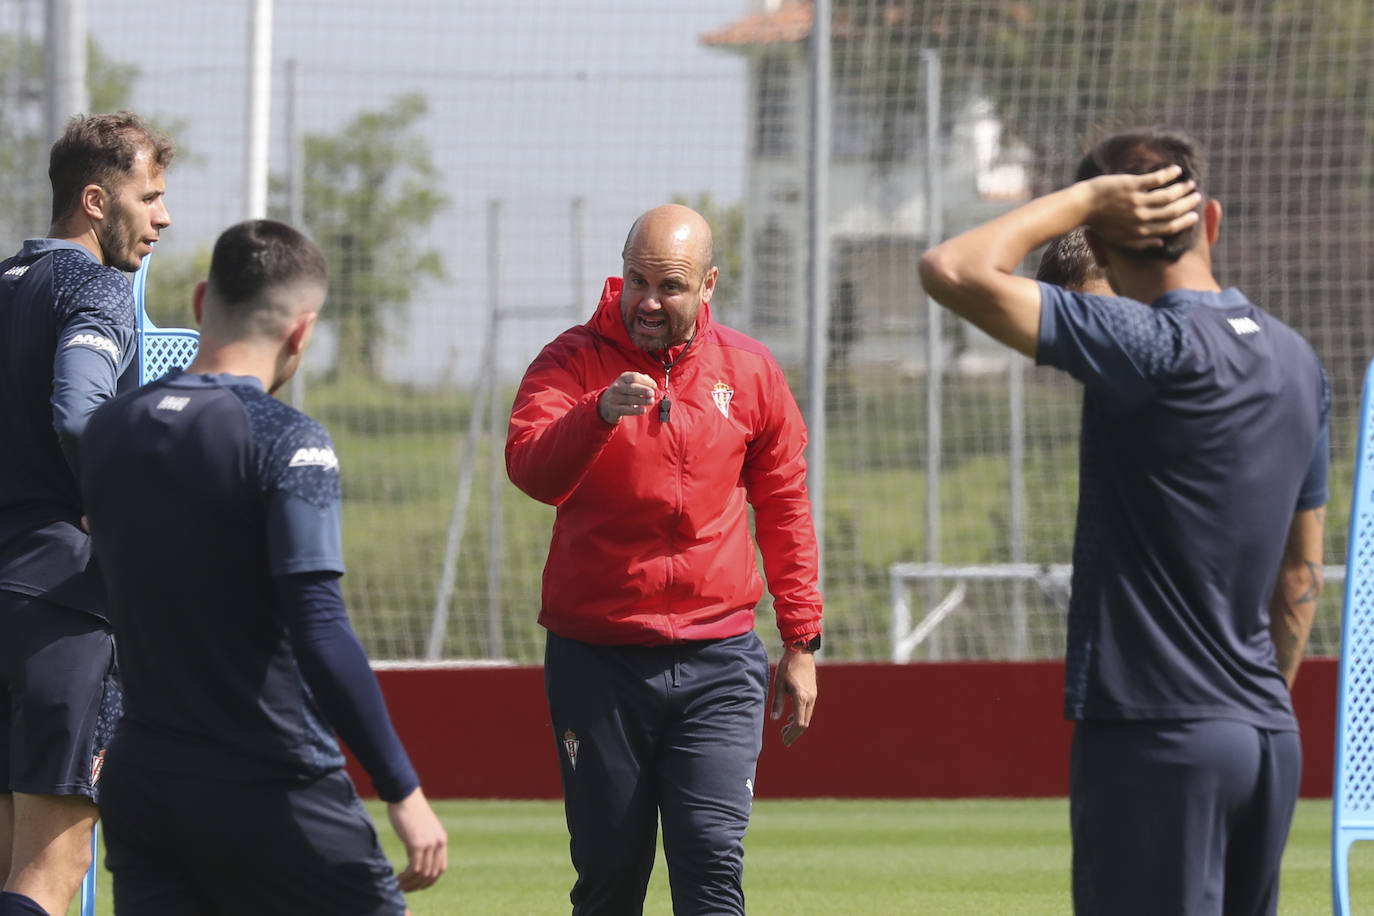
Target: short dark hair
x=256 y=256
x=1068 y=262
x=1137 y=152
x=100 y=149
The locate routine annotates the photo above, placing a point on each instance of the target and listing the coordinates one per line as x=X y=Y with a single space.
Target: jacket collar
x=609 y=324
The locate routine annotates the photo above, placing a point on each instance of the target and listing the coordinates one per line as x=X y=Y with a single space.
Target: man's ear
x=198 y=302
x=1211 y=220
x=299 y=336
x=94 y=201
x=709 y=284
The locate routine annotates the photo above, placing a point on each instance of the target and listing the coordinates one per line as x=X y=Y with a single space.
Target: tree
x=172 y=280
x=727 y=232
x=25 y=195
x=1274 y=90
x=371 y=193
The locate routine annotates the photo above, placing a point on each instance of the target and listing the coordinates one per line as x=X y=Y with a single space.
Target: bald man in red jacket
x=653 y=429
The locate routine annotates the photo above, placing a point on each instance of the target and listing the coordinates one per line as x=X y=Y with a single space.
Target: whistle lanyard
x=666 y=405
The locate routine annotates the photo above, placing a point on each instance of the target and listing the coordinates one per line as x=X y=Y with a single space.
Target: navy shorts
x=1180 y=817
x=61 y=697
x=185 y=844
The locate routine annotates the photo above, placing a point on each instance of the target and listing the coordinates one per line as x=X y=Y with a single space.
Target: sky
x=532 y=102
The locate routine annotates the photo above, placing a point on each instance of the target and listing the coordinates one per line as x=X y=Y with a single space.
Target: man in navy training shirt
x=214 y=511
x=66 y=344
x=1198 y=550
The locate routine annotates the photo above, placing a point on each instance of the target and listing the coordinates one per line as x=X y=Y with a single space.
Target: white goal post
x=1013 y=626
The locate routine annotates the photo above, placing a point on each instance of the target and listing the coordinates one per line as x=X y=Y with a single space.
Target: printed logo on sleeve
x=1243 y=326
x=95 y=342
x=172 y=402
x=18 y=271
x=315 y=458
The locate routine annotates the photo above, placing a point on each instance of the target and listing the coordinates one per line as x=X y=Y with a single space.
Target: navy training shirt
x=201 y=491
x=66 y=344
x=1204 y=431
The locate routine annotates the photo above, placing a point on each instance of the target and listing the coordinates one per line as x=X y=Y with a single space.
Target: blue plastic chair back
x=1352 y=800
x=159 y=349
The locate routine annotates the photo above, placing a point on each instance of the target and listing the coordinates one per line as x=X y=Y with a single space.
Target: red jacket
x=651 y=540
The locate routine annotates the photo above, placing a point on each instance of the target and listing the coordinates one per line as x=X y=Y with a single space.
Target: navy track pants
x=644 y=733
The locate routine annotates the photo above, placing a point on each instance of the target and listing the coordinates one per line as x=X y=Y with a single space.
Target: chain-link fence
x=471 y=170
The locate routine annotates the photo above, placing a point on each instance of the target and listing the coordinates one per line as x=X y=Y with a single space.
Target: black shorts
x=61 y=697
x=191 y=845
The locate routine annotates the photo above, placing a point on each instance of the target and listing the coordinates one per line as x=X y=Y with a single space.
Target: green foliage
x=727 y=231
x=400 y=452
x=371 y=192
x=109 y=81
x=25 y=197
x=25 y=192
x=172 y=280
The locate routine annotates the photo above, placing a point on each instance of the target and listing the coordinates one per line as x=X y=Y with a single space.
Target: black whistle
x=664 y=406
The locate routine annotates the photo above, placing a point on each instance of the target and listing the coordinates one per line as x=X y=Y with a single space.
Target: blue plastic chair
x=159 y=351
x=1352 y=801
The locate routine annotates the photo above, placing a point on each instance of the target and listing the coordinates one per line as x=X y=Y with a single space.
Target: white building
x=877 y=201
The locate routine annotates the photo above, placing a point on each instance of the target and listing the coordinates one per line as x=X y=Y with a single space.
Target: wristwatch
x=806 y=645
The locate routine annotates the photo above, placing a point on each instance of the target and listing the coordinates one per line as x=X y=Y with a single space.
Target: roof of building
x=789 y=23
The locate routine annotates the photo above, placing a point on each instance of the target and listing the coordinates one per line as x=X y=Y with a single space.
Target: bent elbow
x=936 y=272
x=949 y=277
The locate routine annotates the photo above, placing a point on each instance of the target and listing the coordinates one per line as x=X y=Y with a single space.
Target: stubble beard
x=118 y=240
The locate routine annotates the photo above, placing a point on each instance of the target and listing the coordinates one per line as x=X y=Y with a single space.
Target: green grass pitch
x=1009 y=857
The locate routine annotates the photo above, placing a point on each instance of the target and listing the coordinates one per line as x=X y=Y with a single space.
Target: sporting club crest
x=721 y=393
x=571 y=744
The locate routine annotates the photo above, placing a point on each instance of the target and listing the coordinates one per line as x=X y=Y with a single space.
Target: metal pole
x=295 y=188
x=930 y=61
x=818 y=267
x=258 y=108
x=1016 y=498
x=496 y=470
x=457 y=522
x=65 y=59
x=578 y=215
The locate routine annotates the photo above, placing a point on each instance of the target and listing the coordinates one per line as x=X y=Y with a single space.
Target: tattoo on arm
x=1314 y=585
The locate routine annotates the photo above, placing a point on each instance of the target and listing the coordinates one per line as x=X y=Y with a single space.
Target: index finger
x=409 y=880
x=1160 y=177
x=802 y=707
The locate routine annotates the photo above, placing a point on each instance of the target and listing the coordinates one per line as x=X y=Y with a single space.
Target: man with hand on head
x=66 y=345
x=1198 y=549
x=653 y=429
x=214 y=510
x=1068 y=262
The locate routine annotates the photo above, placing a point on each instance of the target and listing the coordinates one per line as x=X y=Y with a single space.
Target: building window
x=771 y=282
x=773 y=122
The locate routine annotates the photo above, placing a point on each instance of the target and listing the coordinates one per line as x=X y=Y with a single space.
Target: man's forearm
x=1299 y=586
x=1291 y=612
x=1001 y=244
x=974 y=273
